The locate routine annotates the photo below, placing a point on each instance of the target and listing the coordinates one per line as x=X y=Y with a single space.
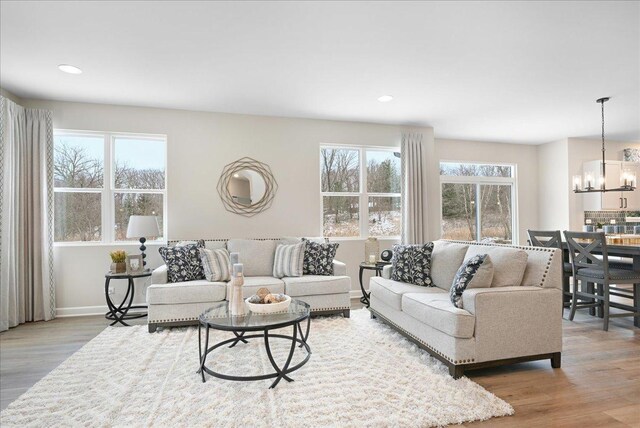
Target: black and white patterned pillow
x=183 y=263
x=464 y=276
x=412 y=264
x=318 y=258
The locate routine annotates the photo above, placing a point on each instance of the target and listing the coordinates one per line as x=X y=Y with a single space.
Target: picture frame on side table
x=135 y=264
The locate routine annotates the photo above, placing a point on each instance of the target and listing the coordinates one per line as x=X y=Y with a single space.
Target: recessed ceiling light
x=69 y=69
x=385 y=98
x=236 y=175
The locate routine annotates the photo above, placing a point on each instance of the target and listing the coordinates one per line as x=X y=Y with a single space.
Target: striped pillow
x=288 y=260
x=216 y=264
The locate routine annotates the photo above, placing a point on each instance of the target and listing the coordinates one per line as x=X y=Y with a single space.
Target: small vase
x=237 y=301
x=118 y=267
x=371 y=248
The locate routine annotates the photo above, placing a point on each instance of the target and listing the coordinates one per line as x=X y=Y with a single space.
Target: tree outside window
x=94 y=196
x=477 y=202
x=360 y=192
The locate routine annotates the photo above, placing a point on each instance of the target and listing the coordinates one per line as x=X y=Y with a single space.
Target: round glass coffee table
x=219 y=317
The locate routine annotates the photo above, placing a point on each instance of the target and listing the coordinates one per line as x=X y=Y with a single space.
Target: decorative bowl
x=269 y=308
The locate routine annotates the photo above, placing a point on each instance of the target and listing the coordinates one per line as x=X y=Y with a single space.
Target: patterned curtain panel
x=414 y=190
x=27 y=287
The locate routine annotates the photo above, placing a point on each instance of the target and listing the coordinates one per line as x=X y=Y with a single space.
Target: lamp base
x=142 y=248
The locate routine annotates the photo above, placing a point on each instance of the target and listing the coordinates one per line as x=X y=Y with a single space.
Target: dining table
x=617 y=246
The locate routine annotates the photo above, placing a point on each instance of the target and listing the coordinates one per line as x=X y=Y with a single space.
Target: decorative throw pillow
x=288 y=260
x=183 y=263
x=476 y=272
x=318 y=258
x=216 y=264
x=412 y=264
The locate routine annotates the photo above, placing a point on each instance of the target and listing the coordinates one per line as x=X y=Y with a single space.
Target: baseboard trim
x=355 y=294
x=80 y=311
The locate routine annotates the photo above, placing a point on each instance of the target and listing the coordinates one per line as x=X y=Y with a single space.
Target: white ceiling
x=525 y=72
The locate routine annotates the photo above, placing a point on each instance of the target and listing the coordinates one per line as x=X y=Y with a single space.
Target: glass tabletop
x=219 y=317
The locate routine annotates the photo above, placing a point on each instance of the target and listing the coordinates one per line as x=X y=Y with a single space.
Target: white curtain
x=27 y=286
x=414 y=190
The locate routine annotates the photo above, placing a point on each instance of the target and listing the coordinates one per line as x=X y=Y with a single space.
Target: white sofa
x=514 y=320
x=180 y=303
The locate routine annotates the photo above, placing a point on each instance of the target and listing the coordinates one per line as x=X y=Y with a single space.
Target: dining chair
x=591 y=269
x=553 y=239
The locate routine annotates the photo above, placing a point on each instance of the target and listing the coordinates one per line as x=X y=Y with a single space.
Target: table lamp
x=141 y=226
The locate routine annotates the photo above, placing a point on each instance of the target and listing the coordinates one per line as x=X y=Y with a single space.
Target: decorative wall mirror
x=247 y=187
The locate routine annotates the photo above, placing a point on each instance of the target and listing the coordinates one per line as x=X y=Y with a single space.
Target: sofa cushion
x=255 y=255
x=412 y=264
x=509 y=264
x=186 y=292
x=446 y=259
x=183 y=262
x=253 y=283
x=316 y=284
x=318 y=258
x=477 y=272
x=436 y=310
x=288 y=260
x=390 y=291
x=216 y=264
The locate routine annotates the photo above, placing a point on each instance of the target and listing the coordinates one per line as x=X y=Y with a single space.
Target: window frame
x=477 y=181
x=108 y=190
x=362 y=194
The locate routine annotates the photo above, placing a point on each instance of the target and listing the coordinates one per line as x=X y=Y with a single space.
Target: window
x=478 y=202
x=360 y=190
x=101 y=179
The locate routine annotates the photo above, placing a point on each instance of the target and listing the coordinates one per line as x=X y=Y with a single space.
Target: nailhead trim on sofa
x=426 y=345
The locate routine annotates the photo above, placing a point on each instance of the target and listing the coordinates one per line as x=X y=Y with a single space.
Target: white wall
x=524 y=156
x=199 y=145
x=553 y=197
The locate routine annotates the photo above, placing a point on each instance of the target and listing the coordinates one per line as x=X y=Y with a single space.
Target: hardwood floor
x=598 y=384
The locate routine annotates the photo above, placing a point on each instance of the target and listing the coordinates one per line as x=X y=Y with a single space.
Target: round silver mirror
x=247 y=187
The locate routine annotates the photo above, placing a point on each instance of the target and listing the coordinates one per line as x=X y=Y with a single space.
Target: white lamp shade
x=143 y=226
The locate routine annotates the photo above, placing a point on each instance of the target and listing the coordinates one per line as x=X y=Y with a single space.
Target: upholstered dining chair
x=588 y=268
x=553 y=239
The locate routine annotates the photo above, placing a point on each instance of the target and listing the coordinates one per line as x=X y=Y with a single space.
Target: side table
x=121 y=313
x=377 y=267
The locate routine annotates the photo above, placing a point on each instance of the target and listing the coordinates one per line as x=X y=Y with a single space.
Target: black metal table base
x=280 y=372
x=121 y=313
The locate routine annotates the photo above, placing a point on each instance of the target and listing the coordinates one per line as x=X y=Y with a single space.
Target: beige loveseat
x=180 y=303
x=518 y=318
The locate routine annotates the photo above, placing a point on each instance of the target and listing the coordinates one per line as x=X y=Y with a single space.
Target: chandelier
x=627 y=177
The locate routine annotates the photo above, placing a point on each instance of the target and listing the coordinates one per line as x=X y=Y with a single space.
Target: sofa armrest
x=515 y=321
x=386 y=271
x=339 y=268
x=159 y=275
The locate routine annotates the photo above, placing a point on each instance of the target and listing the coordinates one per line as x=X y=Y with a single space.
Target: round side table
x=377 y=267
x=120 y=313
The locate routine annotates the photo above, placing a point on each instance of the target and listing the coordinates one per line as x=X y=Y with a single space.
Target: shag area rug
x=361 y=373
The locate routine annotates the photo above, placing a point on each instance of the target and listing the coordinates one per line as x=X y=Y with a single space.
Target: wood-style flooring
x=598 y=384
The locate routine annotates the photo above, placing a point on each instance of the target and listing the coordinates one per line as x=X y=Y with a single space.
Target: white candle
x=372 y=258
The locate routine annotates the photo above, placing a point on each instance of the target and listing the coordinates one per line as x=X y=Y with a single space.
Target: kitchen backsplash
x=605 y=217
